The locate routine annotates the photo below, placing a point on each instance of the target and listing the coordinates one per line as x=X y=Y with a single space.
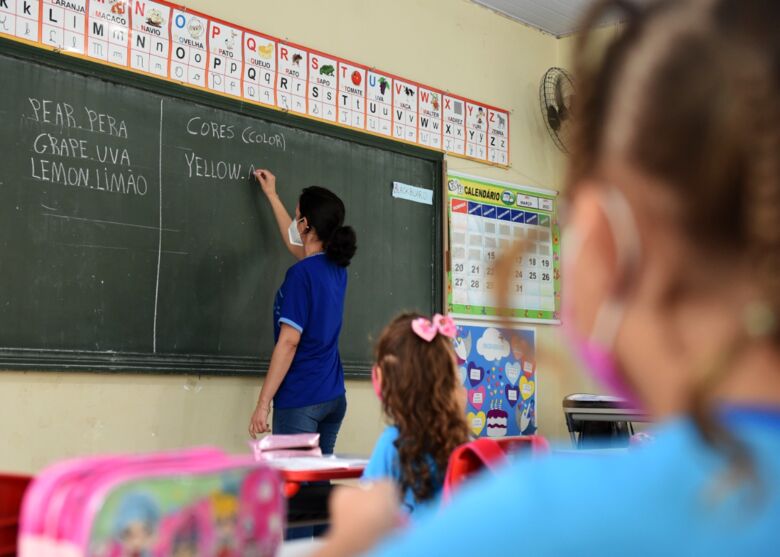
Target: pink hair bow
x=427 y=330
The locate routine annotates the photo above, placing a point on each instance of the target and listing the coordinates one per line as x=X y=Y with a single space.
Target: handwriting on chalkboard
x=98 y=164
x=202 y=167
x=199 y=166
x=248 y=135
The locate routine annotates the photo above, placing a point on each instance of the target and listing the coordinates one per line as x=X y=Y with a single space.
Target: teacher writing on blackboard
x=305 y=379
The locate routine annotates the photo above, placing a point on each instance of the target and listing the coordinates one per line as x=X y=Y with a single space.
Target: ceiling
x=557 y=17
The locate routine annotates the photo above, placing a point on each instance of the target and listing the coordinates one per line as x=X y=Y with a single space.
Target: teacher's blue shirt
x=311 y=300
x=670 y=497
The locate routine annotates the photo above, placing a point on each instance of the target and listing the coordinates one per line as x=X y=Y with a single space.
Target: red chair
x=487 y=453
x=12 y=488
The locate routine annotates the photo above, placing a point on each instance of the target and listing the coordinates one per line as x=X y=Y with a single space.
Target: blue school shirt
x=311 y=300
x=384 y=464
x=658 y=499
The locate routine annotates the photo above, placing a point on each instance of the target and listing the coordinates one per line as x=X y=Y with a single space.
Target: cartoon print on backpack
x=136 y=526
x=262 y=529
x=185 y=542
x=224 y=508
x=186 y=532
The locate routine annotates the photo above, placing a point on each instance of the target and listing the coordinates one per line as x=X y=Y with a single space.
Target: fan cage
x=547 y=98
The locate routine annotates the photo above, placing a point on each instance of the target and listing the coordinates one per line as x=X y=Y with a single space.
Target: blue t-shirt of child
x=311 y=300
x=674 y=496
x=385 y=464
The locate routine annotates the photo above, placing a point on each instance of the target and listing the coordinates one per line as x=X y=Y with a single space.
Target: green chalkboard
x=133 y=237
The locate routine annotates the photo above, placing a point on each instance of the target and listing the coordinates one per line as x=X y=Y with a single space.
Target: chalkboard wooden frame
x=101 y=362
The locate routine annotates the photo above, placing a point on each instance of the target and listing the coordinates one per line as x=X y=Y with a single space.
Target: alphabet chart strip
x=171 y=42
x=485 y=218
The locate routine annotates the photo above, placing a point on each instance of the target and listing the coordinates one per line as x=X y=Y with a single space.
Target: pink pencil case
x=286 y=446
x=199 y=502
x=295 y=441
x=287 y=453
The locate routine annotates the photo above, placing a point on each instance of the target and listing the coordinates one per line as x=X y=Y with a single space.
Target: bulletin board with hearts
x=498 y=368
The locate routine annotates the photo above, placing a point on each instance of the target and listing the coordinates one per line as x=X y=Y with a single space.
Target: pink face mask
x=595 y=351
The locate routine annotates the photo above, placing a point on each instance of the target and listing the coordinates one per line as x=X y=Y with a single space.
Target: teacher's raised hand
x=267 y=181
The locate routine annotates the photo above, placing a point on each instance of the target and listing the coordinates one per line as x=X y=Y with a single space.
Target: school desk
x=307 y=485
x=581 y=408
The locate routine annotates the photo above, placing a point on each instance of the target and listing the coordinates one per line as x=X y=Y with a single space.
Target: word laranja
x=170 y=42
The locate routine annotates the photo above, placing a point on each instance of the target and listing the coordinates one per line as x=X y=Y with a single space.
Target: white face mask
x=293 y=235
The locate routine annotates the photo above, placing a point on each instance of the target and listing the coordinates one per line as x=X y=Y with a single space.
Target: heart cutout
x=512 y=395
x=476 y=422
x=477 y=397
x=463 y=374
x=527 y=387
x=512 y=372
x=476 y=374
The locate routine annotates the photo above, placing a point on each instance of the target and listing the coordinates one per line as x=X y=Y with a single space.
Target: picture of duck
x=230 y=42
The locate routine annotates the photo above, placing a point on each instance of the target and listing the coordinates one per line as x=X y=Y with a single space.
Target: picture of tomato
x=356 y=78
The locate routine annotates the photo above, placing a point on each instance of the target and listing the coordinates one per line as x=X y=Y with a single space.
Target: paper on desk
x=317 y=463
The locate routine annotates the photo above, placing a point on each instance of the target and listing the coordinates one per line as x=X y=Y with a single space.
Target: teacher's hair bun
x=342 y=246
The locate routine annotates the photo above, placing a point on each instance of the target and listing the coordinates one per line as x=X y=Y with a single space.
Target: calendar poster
x=498 y=369
x=485 y=218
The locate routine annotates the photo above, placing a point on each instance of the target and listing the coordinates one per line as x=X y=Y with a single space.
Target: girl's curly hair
x=419 y=395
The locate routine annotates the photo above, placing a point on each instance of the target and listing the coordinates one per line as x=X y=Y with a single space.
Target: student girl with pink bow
x=416 y=380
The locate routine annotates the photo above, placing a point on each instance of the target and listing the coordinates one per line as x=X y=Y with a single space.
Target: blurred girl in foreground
x=672 y=298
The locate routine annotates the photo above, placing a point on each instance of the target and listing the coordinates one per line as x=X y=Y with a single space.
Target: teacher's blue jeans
x=324 y=418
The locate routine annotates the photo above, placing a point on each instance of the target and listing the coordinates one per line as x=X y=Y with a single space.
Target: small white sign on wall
x=412 y=193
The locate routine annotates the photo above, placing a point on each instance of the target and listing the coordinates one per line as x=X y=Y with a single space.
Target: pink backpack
x=194 y=502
